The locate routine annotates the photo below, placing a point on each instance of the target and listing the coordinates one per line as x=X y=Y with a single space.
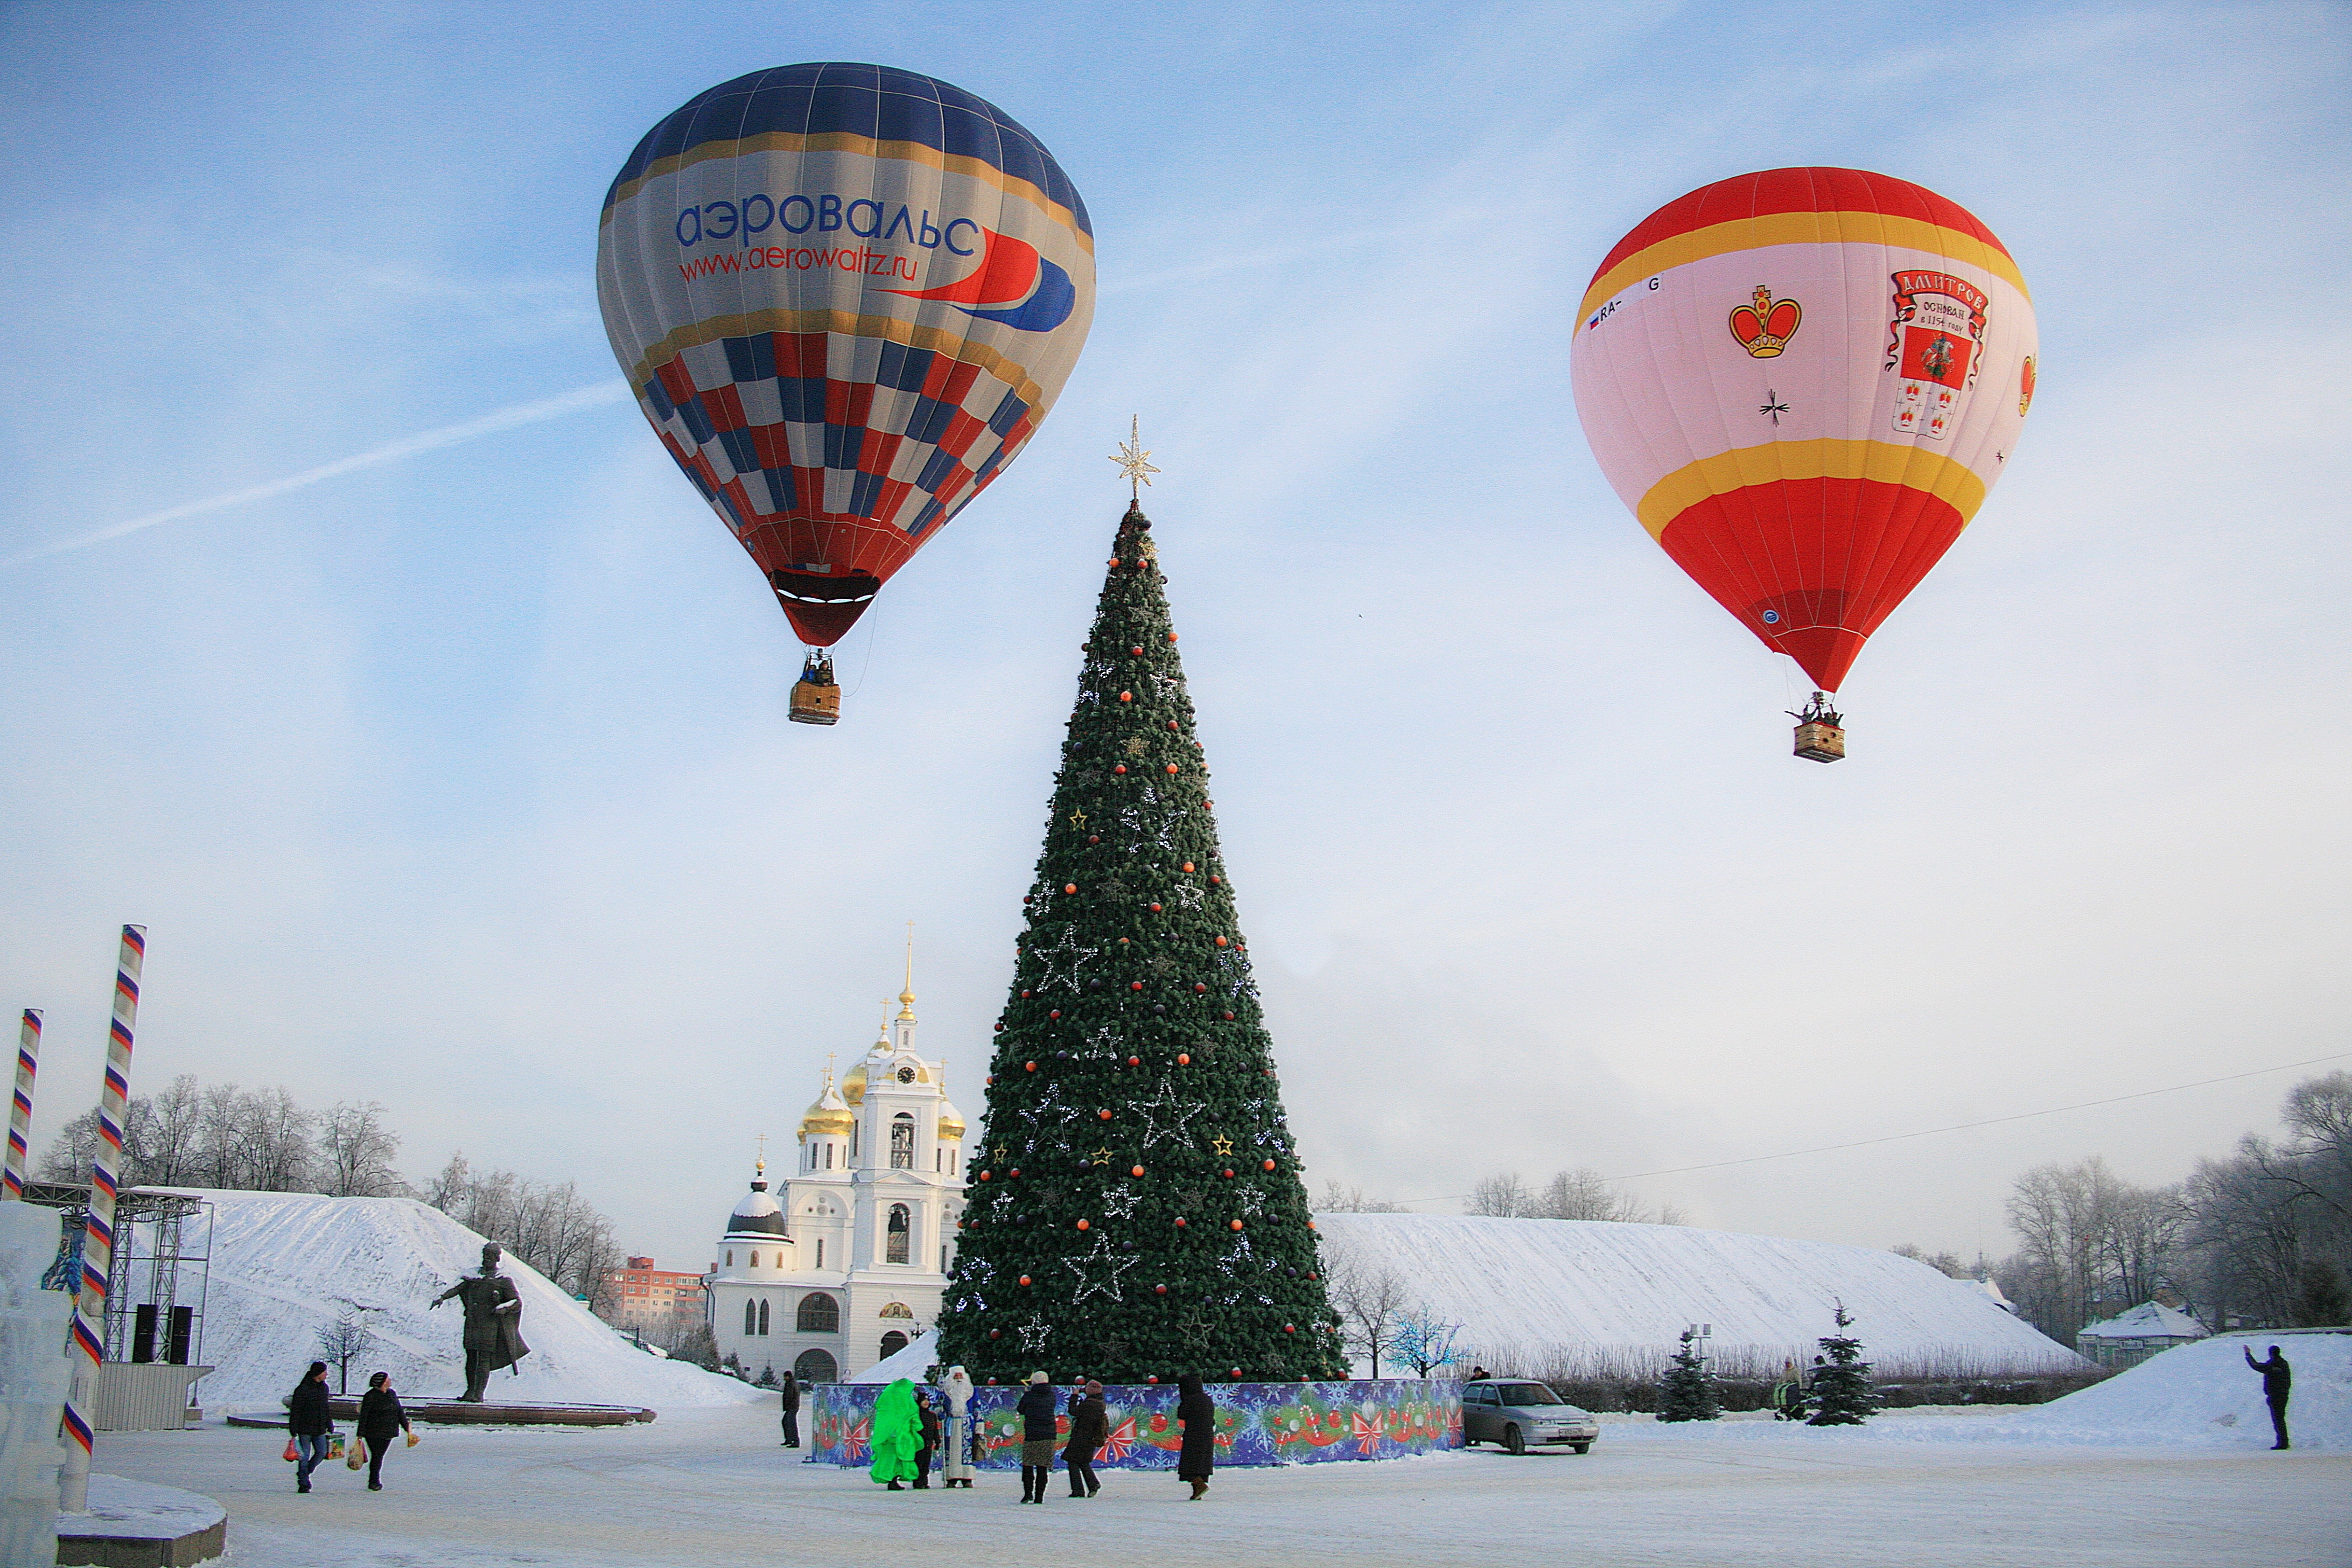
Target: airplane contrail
x=594 y=395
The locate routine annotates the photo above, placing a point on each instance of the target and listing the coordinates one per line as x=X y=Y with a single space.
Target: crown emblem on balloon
x=1764 y=326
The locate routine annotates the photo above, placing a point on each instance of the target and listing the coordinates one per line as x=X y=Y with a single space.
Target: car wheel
x=1514 y=1440
x=1582 y=1447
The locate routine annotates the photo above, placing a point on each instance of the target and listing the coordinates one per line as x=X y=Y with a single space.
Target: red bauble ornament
x=1135 y=1061
x=1094 y=837
x=1069 y=887
x=1153 y=1378
x=1025 y=1280
x=1159 y=1291
x=1234 y=1372
x=1171 y=636
x=1228 y=1018
x=1180 y=1222
x=1104 y=1114
x=1014 y=1172
x=1118 y=767
x=1172 y=767
x=1155 y=909
x=1135 y=1170
x=1214 y=881
x=1188 y=865
x=1229 y=1176
x=1024 y=996
x=1134 y=985
x=1085 y=1224
x=1183 y=1059
x=995 y=1334
x=987 y=1175
x=1230 y=1225
x=1114 y=560
x=1057 y=1013
x=1137 y=651
x=1291 y=1329
x=1269 y=1166
x=1031 y=1067
x=1198 y=988
x=999 y=1026
x=1221 y=940
x=1127 y=696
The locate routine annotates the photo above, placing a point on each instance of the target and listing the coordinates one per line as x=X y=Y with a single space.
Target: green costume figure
x=898 y=1435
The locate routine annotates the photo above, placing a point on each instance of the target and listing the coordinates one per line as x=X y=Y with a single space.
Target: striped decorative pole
x=20 y=1115
x=88 y=1346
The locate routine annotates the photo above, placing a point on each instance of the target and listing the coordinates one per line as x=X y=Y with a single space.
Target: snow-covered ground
x=284 y=1265
x=1522 y=1288
x=711 y=1487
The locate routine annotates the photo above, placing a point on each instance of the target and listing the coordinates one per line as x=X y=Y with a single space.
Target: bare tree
x=343 y=1341
x=1372 y=1301
x=1500 y=1198
x=356 y=1150
x=1948 y=1264
x=1338 y=1199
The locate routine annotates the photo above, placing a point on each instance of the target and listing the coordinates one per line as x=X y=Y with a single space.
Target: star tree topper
x=1133 y=461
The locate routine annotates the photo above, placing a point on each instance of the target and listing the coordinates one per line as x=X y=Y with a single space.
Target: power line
x=1957 y=1127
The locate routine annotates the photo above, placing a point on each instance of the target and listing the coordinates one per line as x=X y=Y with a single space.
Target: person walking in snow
x=1089 y=1429
x=928 y=1430
x=791 y=1411
x=1197 y=1459
x=955 y=1459
x=308 y=1423
x=1038 y=1434
x=2278 y=1380
x=898 y=1433
x=380 y=1421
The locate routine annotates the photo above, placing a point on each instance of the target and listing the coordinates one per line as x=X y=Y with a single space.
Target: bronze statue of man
x=493 y=1323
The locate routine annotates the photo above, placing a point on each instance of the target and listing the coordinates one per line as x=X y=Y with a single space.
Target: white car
x=1521 y=1415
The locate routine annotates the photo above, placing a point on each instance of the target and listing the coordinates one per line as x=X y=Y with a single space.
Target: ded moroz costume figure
x=493 y=1323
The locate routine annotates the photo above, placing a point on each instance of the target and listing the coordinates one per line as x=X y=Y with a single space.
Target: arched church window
x=755 y=1260
x=901 y=1222
x=730 y=1258
x=764 y=1316
x=815 y=1366
x=902 y=1141
x=893 y=1343
x=819 y=1315
x=751 y=1318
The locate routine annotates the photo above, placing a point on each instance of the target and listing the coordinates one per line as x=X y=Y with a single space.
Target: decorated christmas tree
x=1687 y=1393
x=1842 y=1394
x=1134 y=1208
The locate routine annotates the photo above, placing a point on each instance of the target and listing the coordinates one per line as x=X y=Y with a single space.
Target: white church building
x=845 y=1260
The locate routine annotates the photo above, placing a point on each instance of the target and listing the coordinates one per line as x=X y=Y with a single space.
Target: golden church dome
x=829 y=1116
x=950 y=1122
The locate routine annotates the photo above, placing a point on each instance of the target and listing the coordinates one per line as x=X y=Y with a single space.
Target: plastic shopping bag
x=293 y=1455
x=357 y=1454
x=334 y=1445
x=411 y=1440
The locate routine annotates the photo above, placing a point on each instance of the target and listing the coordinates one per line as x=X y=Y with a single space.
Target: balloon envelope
x=1802 y=383
x=845 y=297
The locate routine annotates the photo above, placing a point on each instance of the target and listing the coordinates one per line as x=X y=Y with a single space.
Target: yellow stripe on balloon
x=1800 y=228
x=1914 y=467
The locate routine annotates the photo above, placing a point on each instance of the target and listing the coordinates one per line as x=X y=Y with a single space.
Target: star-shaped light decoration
x=1062 y=961
x=1100 y=1156
x=1033 y=1333
x=1099 y=1270
x=1223 y=1146
x=1078 y=820
x=1165 y=1115
x=1133 y=461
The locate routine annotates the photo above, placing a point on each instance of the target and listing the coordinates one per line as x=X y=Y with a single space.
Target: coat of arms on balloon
x=845 y=297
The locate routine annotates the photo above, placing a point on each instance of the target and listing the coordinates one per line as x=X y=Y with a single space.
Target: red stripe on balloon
x=1866 y=542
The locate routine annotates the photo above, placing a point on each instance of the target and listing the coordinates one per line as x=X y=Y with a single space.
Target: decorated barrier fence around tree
x=1258 y=1423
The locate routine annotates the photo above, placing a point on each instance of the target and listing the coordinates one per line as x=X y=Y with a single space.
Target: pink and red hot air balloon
x=845 y=297
x=1802 y=383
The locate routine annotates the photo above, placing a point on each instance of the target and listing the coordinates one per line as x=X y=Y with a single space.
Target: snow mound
x=284 y=1265
x=1532 y=1292
x=2202 y=1392
x=911 y=1360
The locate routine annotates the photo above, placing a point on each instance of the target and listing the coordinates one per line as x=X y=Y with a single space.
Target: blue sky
x=461 y=781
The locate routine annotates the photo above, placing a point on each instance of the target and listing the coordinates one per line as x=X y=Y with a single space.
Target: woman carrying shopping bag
x=380 y=1421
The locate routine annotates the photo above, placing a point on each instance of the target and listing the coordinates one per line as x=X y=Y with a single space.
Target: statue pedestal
x=490 y=1413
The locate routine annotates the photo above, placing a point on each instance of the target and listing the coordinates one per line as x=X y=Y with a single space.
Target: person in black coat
x=2278 y=1382
x=1038 y=1430
x=791 y=1411
x=926 y=1426
x=380 y=1421
x=308 y=1423
x=1197 y=1459
x=1089 y=1429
